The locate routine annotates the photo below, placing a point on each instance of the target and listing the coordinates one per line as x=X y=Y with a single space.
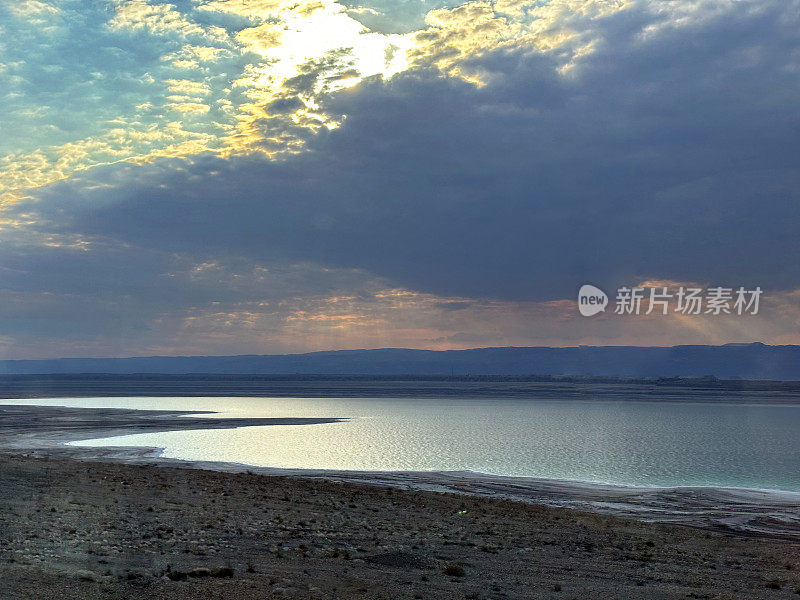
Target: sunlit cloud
x=127 y=141
x=288 y=176
x=189 y=107
x=32 y=9
x=375 y=317
x=453 y=36
x=305 y=51
x=158 y=19
x=241 y=79
x=253 y=76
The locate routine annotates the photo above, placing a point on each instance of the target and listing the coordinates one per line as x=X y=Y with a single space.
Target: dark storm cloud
x=672 y=150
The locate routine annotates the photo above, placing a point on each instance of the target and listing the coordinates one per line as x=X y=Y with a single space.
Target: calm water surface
x=633 y=443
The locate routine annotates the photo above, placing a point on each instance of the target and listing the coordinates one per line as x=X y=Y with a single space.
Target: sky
x=267 y=176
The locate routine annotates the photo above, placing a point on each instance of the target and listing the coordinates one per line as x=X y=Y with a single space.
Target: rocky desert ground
x=96 y=530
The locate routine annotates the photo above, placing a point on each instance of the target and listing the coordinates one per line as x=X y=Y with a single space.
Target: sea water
x=620 y=442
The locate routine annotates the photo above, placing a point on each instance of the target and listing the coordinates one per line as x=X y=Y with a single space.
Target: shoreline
x=50 y=431
x=108 y=530
x=125 y=523
x=156 y=452
x=376 y=386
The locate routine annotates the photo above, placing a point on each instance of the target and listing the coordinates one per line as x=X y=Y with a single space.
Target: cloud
x=243 y=57
x=574 y=142
x=189 y=107
x=73 y=85
x=159 y=19
x=651 y=159
x=188 y=87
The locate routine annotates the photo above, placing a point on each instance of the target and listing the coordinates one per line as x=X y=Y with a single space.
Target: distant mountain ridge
x=730 y=361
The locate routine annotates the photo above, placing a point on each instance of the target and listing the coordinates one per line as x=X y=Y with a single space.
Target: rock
x=85 y=575
x=399 y=559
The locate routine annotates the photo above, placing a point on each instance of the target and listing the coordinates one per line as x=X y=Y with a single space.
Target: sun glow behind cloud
x=252 y=86
x=305 y=51
x=228 y=76
x=472 y=141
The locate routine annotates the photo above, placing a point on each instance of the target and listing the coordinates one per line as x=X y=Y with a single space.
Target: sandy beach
x=122 y=523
